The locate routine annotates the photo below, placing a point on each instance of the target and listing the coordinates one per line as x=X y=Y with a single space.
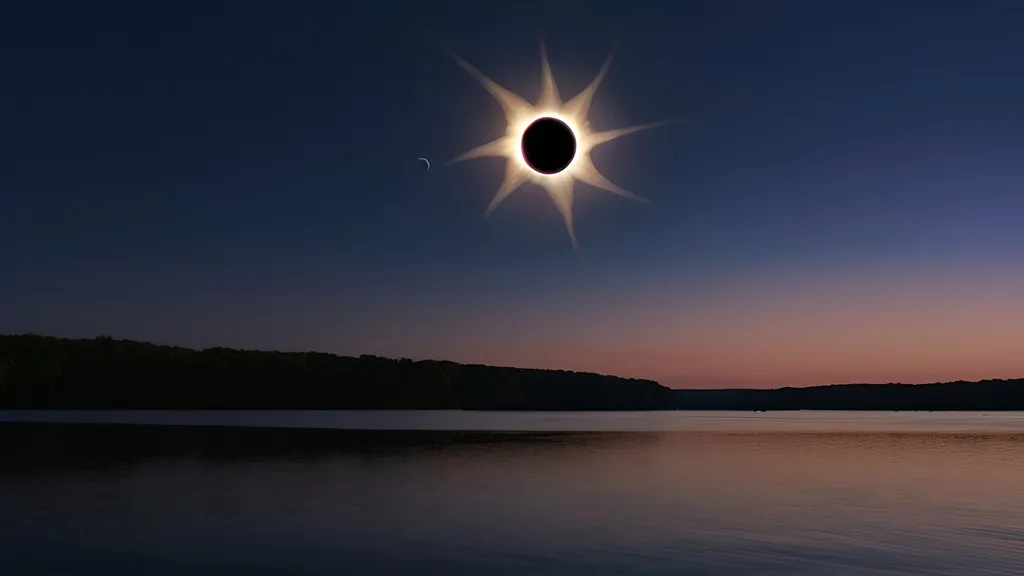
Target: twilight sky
x=842 y=204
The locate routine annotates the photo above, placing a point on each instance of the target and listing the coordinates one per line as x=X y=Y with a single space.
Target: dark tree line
x=986 y=395
x=104 y=373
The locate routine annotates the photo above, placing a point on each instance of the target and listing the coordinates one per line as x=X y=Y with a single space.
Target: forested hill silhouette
x=986 y=395
x=104 y=373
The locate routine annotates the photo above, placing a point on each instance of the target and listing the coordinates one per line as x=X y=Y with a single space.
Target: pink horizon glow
x=894 y=327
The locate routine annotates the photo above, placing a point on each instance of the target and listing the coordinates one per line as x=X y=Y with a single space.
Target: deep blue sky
x=848 y=176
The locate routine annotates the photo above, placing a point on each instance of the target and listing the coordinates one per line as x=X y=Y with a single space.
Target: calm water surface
x=627 y=493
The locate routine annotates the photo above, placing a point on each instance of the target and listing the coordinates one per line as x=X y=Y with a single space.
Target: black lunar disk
x=548 y=145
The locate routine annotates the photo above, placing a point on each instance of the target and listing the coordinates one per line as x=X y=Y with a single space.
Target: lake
x=799 y=493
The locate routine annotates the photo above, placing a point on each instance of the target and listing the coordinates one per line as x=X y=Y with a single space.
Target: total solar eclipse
x=548 y=145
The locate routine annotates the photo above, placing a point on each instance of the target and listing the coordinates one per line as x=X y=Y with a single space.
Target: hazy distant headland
x=986 y=395
x=39 y=372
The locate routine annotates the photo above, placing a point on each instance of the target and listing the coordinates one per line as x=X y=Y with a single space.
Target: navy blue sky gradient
x=244 y=174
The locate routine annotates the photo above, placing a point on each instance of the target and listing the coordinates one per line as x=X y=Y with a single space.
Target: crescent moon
x=427 y=161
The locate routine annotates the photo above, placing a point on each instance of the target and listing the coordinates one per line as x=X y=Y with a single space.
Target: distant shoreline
x=981 y=396
x=670 y=409
x=46 y=373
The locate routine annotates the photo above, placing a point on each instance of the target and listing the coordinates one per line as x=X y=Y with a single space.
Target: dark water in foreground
x=108 y=499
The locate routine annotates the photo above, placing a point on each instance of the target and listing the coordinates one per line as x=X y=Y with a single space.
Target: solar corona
x=548 y=143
